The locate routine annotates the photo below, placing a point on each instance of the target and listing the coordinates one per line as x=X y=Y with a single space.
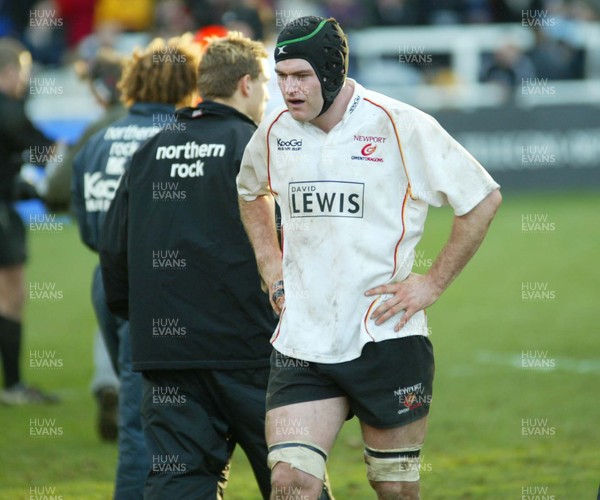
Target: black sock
x=10 y=350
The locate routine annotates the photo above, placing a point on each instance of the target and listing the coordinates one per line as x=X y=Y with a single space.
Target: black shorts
x=389 y=385
x=12 y=237
x=196 y=418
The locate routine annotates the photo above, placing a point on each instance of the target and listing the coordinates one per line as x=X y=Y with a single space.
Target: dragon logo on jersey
x=366 y=152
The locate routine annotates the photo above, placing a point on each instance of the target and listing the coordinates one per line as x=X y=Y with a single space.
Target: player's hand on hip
x=277 y=296
x=411 y=295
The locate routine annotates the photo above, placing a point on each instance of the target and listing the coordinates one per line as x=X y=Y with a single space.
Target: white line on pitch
x=542 y=363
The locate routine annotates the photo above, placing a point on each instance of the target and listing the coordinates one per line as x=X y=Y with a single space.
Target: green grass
x=475 y=448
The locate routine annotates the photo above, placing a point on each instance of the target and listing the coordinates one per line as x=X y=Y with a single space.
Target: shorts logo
x=410 y=401
x=411 y=398
x=326 y=199
x=291 y=145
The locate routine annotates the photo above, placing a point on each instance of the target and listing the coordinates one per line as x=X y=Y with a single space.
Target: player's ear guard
x=401 y=465
x=306 y=457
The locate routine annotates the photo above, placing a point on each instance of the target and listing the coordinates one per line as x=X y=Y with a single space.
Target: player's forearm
x=468 y=231
x=258 y=217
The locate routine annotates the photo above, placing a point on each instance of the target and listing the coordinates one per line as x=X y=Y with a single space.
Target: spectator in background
x=246 y=16
x=154 y=81
x=440 y=12
x=508 y=68
x=132 y=15
x=396 y=12
x=553 y=59
x=44 y=32
x=78 y=19
x=245 y=19
x=14 y=18
x=172 y=17
x=478 y=11
x=511 y=11
x=102 y=74
x=17 y=135
x=350 y=13
x=206 y=12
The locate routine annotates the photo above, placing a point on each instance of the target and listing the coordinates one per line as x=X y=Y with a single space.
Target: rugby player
x=353 y=172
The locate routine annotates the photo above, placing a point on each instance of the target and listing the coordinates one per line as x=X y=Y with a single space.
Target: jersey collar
x=355 y=100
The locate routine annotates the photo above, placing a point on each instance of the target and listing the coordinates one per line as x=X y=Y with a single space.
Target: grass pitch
x=515 y=411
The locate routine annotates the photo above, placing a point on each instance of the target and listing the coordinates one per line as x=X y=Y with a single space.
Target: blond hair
x=164 y=72
x=226 y=60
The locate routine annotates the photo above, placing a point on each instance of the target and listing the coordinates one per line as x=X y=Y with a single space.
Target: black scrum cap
x=323 y=44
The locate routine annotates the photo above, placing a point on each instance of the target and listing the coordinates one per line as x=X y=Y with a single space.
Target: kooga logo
x=291 y=145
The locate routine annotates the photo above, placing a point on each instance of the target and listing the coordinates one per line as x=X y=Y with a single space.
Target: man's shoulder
x=190 y=126
x=394 y=106
x=99 y=131
x=274 y=116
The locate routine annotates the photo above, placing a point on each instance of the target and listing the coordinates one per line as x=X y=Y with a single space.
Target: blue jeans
x=104 y=371
x=134 y=463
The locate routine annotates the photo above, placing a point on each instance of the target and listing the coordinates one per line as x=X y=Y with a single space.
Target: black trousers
x=193 y=419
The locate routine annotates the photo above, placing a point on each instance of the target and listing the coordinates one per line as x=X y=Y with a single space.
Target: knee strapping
x=306 y=457
x=400 y=465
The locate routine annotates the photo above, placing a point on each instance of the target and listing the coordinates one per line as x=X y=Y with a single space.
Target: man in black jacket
x=155 y=81
x=177 y=263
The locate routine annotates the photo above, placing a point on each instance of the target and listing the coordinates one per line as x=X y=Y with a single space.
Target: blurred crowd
x=55 y=30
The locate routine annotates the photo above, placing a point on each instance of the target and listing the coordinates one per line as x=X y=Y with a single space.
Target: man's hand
x=420 y=291
x=411 y=295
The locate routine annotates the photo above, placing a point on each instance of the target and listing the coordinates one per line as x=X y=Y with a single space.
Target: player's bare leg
x=12 y=299
x=314 y=423
x=12 y=291
x=407 y=436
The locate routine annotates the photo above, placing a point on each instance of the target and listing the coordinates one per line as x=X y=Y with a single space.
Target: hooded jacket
x=175 y=258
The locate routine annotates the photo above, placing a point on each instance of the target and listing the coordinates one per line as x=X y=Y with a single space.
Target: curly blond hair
x=164 y=72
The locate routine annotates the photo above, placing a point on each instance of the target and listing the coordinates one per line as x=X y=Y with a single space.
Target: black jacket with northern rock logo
x=175 y=258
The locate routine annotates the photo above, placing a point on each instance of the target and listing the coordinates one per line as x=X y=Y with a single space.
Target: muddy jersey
x=353 y=205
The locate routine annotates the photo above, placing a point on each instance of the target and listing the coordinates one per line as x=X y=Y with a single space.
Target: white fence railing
x=390 y=60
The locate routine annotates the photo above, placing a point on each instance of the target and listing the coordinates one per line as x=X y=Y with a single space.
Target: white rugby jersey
x=353 y=204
